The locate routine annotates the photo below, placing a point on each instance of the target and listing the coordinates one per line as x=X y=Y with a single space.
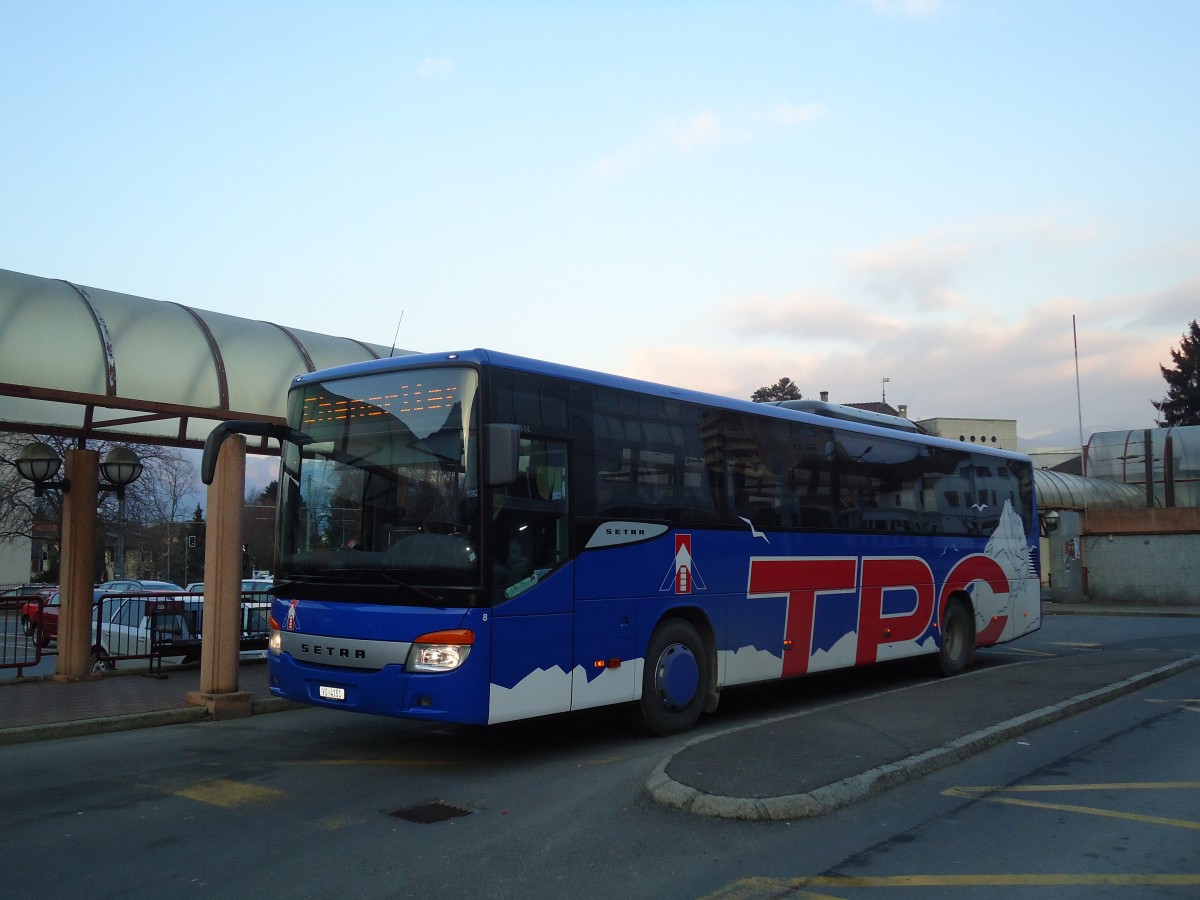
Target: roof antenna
x=397 y=337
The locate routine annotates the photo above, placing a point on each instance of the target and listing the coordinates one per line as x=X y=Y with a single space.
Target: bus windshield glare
x=384 y=497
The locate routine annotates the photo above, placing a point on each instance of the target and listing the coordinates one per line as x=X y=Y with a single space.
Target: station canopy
x=1061 y=490
x=89 y=363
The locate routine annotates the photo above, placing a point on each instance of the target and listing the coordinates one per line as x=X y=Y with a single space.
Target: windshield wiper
x=382 y=575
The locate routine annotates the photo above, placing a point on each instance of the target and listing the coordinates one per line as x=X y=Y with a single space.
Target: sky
x=971 y=199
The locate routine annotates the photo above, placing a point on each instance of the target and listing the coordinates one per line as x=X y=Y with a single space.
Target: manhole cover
x=428 y=813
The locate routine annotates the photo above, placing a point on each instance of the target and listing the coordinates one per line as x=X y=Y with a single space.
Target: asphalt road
x=314 y=803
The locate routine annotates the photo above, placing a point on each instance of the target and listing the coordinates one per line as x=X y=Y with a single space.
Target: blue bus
x=475 y=537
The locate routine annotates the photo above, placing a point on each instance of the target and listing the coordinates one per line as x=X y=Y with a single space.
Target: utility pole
x=883 y=384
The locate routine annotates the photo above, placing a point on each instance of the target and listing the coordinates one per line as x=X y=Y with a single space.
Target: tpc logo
x=683 y=577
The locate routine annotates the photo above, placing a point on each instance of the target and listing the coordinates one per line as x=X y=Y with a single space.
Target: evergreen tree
x=1181 y=406
x=783 y=389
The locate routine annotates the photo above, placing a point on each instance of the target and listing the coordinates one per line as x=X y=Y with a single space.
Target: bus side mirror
x=216 y=437
x=503 y=454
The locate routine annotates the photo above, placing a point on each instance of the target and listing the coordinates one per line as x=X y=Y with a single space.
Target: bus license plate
x=331 y=693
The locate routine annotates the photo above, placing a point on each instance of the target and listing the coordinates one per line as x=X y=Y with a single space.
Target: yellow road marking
x=753 y=888
x=971 y=792
x=1001 y=795
x=335 y=823
x=229 y=794
x=1184 y=700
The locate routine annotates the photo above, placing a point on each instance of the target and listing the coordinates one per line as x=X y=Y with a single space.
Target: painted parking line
x=1007 y=795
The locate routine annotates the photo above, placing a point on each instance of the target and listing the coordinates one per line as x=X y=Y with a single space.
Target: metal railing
x=160 y=628
x=18 y=649
x=167 y=628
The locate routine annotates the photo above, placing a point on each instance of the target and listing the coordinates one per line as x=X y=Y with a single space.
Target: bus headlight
x=274 y=637
x=440 y=651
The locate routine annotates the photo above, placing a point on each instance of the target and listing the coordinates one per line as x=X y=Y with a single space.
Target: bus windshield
x=384 y=496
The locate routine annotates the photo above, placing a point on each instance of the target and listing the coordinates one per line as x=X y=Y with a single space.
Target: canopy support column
x=75 y=618
x=222 y=587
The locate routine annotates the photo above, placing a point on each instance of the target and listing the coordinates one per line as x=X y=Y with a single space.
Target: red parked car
x=29 y=609
x=42 y=619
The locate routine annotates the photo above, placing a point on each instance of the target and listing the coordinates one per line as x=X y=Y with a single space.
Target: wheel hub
x=677 y=677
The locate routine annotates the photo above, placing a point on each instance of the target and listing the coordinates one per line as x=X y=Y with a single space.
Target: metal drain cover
x=433 y=811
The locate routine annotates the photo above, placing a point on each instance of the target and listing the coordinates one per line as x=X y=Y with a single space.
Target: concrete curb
x=24 y=734
x=665 y=790
x=1159 y=612
x=104 y=725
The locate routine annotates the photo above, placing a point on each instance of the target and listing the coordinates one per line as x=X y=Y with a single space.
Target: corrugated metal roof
x=83 y=361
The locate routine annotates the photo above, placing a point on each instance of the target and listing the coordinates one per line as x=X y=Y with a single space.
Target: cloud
x=1171 y=308
x=1021 y=367
x=923 y=270
x=704 y=131
x=808 y=316
x=667 y=137
x=784 y=113
x=435 y=67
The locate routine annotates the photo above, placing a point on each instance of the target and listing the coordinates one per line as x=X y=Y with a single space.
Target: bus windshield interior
x=386 y=493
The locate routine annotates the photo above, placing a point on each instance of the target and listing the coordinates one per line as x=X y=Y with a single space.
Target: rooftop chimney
x=903 y=410
x=824 y=396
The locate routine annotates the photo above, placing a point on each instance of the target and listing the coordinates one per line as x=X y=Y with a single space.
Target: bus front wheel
x=958 y=638
x=675 y=679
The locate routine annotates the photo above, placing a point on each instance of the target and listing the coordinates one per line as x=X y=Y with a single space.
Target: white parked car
x=140 y=625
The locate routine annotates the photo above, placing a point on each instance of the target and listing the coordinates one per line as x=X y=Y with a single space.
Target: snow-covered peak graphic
x=1021 y=606
x=1008 y=546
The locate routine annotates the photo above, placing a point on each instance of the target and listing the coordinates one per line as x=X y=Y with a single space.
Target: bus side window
x=529 y=526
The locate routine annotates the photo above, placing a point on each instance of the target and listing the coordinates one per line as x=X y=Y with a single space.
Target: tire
x=675 y=679
x=43 y=639
x=957 y=648
x=27 y=626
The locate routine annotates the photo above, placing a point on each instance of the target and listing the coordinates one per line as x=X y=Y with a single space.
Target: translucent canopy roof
x=1059 y=490
x=81 y=361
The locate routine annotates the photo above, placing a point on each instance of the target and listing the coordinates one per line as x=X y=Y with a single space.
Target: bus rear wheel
x=675 y=679
x=958 y=638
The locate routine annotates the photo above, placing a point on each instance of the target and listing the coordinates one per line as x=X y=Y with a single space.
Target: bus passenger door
x=605 y=670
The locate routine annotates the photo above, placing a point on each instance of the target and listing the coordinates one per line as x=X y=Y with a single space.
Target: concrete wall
x=1148 y=557
x=14 y=561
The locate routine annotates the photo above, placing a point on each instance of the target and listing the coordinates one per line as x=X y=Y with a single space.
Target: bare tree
x=17 y=503
x=150 y=502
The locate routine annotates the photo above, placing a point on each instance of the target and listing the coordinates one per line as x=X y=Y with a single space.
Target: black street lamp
x=39 y=463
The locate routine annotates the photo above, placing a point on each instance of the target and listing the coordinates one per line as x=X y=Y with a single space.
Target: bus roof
x=845 y=418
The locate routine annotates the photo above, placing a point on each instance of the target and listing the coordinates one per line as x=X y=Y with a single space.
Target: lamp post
x=39 y=463
x=121 y=467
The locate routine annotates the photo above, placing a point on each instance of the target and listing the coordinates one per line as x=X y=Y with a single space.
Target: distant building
x=1061 y=459
x=1000 y=433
